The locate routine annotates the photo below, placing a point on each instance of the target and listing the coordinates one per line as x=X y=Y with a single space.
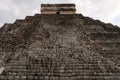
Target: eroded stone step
x=104 y=36
x=103 y=33
x=10 y=65
x=78 y=66
x=89 y=21
x=109 y=46
x=100 y=37
x=37 y=66
x=95 y=30
x=107 y=43
x=104 y=40
x=6 y=27
x=59 y=72
x=25 y=21
x=111 y=28
x=19 y=21
x=22 y=22
x=28 y=17
x=58 y=78
x=116 y=52
x=93 y=27
x=61 y=62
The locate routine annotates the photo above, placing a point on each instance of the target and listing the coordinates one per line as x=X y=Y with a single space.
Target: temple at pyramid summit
x=59 y=44
x=58 y=9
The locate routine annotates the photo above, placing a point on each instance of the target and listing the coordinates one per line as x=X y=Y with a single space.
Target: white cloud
x=105 y=10
x=116 y=20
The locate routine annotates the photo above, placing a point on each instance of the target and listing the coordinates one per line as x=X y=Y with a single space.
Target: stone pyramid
x=59 y=47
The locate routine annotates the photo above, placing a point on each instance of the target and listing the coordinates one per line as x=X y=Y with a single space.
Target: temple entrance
x=57 y=12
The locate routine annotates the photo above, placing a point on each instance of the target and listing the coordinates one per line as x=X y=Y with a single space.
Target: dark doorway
x=57 y=12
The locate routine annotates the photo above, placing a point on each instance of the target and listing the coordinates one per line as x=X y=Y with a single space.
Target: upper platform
x=58 y=9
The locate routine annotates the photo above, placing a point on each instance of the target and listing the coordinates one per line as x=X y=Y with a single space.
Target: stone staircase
x=28 y=67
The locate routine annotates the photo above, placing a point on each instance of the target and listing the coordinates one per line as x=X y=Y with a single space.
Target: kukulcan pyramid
x=59 y=44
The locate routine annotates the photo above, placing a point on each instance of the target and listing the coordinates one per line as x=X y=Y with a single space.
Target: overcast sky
x=106 y=10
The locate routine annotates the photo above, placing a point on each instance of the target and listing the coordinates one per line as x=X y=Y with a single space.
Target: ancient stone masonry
x=59 y=47
x=58 y=9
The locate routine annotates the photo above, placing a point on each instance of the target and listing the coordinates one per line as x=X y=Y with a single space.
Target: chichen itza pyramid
x=59 y=44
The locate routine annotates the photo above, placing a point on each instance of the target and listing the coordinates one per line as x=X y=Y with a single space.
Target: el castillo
x=59 y=44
